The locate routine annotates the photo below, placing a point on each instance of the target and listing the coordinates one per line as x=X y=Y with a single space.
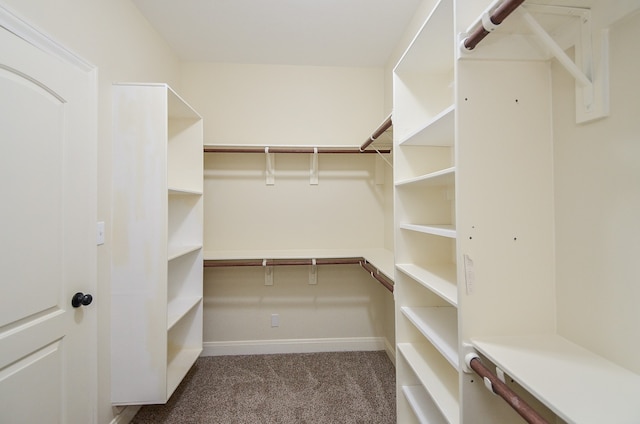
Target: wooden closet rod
x=372 y=270
x=211 y=149
x=501 y=389
x=216 y=263
x=496 y=18
x=377 y=133
x=377 y=275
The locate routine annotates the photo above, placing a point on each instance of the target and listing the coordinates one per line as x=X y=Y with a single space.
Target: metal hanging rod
x=489 y=23
x=217 y=263
x=307 y=150
x=333 y=150
x=375 y=273
x=377 y=133
x=501 y=389
x=370 y=268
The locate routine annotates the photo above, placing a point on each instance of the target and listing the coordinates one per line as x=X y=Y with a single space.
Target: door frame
x=12 y=22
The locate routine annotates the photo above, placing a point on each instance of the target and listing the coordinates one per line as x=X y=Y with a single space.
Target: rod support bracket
x=270 y=167
x=268 y=273
x=487 y=23
x=313 y=272
x=313 y=167
x=469 y=355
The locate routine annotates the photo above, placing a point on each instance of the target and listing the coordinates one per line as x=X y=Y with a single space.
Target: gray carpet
x=341 y=387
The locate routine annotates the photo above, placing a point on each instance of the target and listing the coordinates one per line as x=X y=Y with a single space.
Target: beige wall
x=597 y=197
x=346 y=303
x=291 y=105
x=114 y=37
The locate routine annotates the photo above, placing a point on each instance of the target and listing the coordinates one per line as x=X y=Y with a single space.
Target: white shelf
x=439 y=324
x=180 y=362
x=178 y=108
x=440 y=279
x=429 y=50
x=436 y=230
x=178 y=251
x=435 y=374
x=576 y=384
x=422 y=405
x=178 y=308
x=382 y=259
x=439 y=131
x=175 y=191
x=444 y=177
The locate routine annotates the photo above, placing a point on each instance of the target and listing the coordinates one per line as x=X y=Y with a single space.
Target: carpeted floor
x=341 y=387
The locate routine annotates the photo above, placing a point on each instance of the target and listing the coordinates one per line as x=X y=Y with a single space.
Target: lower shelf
x=180 y=307
x=423 y=407
x=179 y=363
x=436 y=375
x=440 y=326
x=440 y=279
x=576 y=384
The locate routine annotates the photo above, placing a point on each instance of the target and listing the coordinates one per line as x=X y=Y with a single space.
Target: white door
x=47 y=234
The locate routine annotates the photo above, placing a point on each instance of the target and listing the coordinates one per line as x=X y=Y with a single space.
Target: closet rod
x=496 y=18
x=210 y=149
x=376 y=274
x=501 y=389
x=217 y=263
x=377 y=133
x=371 y=269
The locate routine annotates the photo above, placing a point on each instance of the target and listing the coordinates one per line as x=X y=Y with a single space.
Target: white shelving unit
x=480 y=265
x=582 y=382
x=157 y=243
x=425 y=222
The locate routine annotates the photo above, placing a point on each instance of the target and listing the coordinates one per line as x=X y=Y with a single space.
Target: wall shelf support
x=313 y=272
x=270 y=167
x=268 y=273
x=313 y=167
x=592 y=88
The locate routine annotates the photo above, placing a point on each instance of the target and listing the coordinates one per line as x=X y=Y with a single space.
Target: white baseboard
x=126 y=414
x=391 y=351
x=261 y=347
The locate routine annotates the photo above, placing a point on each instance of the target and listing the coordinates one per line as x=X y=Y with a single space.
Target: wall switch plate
x=100 y=233
x=275 y=320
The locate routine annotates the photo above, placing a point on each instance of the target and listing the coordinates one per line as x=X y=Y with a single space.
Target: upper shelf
x=426 y=55
x=440 y=279
x=445 y=177
x=442 y=230
x=576 y=384
x=438 y=131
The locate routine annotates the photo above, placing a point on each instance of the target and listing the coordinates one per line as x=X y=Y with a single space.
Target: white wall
x=113 y=36
x=597 y=197
x=291 y=105
x=344 y=310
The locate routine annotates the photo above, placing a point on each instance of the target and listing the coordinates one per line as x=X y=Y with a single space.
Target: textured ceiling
x=291 y=32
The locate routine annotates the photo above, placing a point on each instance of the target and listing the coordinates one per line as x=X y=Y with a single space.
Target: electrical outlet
x=275 y=320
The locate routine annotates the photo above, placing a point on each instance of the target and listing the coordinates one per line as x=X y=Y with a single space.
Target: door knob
x=80 y=299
